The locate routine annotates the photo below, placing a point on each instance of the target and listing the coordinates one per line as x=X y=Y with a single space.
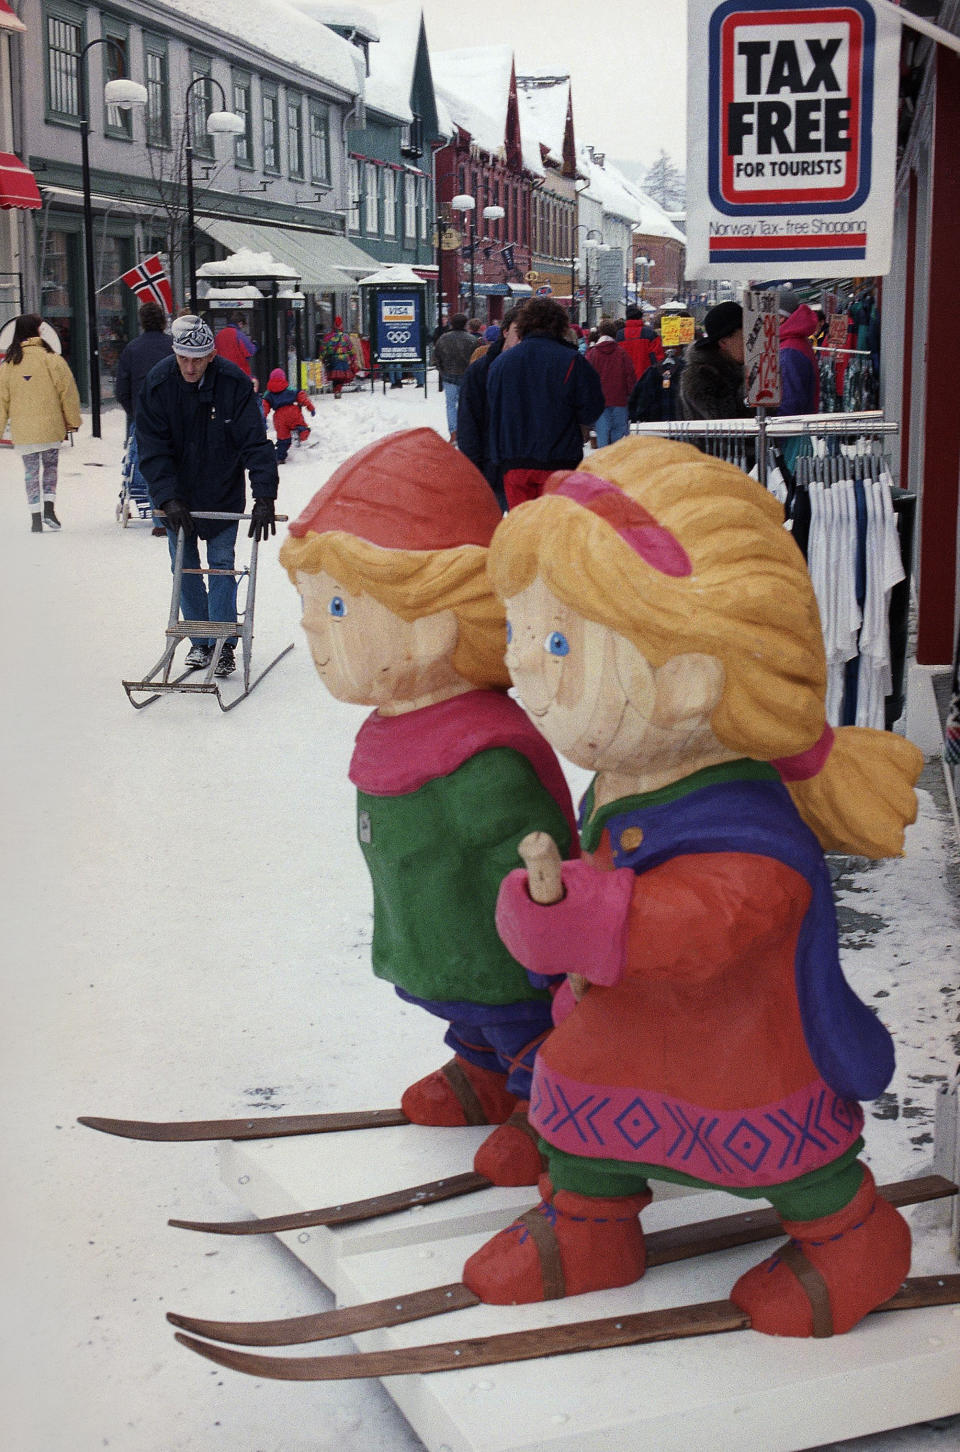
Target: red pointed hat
x=409 y=491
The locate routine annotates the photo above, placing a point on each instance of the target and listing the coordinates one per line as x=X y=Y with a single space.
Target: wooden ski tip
x=126 y=1128
x=276 y=1368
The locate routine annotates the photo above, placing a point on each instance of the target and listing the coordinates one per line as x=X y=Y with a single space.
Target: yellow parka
x=39 y=397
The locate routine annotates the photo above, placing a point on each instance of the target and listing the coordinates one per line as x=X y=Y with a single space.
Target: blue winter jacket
x=541 y=392
x=196 y=440
x=135 y=362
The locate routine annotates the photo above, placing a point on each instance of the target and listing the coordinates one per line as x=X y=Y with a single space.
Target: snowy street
x=187 y=933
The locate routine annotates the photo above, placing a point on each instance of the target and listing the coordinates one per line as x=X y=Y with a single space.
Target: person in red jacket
x=288 y=406
x=640 y=342
x=234 y=344
x=617 y=379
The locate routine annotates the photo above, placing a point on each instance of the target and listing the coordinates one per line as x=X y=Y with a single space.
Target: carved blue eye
x=338 y=607
x=557 y=644
x=509 y=632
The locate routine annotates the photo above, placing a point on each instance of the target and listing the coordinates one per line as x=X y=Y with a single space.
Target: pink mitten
x=564 y=1002
x=583 y=933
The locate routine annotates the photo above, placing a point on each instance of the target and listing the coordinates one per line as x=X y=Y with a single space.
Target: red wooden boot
x=459 y=1093
x=831 y=1272
x=567 y=1245
x=511 y=1154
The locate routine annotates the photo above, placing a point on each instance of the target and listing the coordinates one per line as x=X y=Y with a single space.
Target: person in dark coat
x=473 y=408
x=451 y=353
x=199 y=427
x=713 y=385
x=135 y=362
x=543 y=395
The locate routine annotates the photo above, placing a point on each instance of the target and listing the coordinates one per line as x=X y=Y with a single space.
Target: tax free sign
x=793 y=172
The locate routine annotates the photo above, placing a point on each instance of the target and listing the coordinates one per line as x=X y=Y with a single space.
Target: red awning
x=18 y=187
x=9 y=19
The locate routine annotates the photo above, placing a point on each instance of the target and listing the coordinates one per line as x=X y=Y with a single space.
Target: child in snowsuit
x=390 y=561
x=664 y=633
x=288 y=406
x=39 y=396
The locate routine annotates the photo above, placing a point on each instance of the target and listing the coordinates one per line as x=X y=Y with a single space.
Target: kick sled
x=158 y=681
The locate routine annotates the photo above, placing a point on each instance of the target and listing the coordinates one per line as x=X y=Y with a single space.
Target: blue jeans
x=198 y=601
x=613 y=424
x=451 y=392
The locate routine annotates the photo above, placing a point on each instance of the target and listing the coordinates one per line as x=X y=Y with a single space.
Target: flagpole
x=923 y=27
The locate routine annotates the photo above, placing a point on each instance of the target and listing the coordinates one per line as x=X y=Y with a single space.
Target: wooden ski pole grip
x=542 y=861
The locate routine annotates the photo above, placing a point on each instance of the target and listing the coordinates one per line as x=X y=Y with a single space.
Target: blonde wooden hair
x=748 y=601
x=415 y=583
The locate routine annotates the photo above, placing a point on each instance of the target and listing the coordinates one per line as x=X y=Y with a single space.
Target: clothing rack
x=842 y=498
x=856 y=352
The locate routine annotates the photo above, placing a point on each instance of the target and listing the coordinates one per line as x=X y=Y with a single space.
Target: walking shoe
x=199 y=656
x=227 y=664
x=49 y=518
x=158 y=531
x=36 y=526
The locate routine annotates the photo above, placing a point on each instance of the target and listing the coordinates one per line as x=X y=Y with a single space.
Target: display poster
x=399 y=330
x=676 y=330
x=838 y=330
x=793 y=173
x=761 y=348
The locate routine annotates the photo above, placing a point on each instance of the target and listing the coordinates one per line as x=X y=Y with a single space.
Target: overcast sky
x=626 y=60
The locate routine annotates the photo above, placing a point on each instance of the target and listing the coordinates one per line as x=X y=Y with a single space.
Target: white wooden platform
x=743 y=1391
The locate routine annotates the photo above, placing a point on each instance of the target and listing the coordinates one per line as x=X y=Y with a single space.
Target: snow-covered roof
x=282 y=30
x=543 y=103
x=244 y=263
x=475 y=84
x=393 y=274
x=393 y=60
x=348 y=16
x=623 y=198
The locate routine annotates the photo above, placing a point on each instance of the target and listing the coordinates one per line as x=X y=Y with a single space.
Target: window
x=411 y=138
x=320 y=146
x=295 y=135
x=271 y=128
x=157 y=76
x=201 y=104
x=353 y=202
x=410 y=207
x=423 y=197
x=389 y=202
x=372 y=180
x=116 y=122
x=242 y=104
x=64 y=44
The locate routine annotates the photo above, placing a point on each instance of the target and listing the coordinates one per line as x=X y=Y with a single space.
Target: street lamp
x=219 y=123
x=593 y=242
x=464 y=203
x=574 y=263
x=646 y=266
x=118 y=92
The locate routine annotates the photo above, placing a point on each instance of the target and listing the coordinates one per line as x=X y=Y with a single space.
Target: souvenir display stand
x=756 y=1393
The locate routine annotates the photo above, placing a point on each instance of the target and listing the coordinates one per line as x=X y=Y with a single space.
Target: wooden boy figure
x=390 y=561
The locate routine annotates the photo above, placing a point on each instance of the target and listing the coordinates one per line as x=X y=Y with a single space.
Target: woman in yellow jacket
x=39 y=397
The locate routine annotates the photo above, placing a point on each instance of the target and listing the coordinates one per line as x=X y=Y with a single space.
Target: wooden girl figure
x=663 y=632
x=390 y=560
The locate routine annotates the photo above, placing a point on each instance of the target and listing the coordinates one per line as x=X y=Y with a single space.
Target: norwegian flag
x=150 y=282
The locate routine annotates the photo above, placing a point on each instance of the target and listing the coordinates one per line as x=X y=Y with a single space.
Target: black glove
x=262 y=519
x=178 y=517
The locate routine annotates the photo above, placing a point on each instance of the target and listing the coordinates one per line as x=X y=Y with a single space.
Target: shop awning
x=9 y=20
x=323 y=262
x=520 y=289
x=18 y=187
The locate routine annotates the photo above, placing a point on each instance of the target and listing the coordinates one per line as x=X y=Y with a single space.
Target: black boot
x=36 y=527
x=49 y=518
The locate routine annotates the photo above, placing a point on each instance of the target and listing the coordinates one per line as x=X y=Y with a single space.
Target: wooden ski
x=348 y=1213
x=264 y=1126
x=704 y=1318
x=679 y=1242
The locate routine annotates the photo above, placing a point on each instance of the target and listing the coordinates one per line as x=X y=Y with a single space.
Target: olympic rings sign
x=395 y=336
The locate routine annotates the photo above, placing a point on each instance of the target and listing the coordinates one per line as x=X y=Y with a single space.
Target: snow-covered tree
x=666 y=183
